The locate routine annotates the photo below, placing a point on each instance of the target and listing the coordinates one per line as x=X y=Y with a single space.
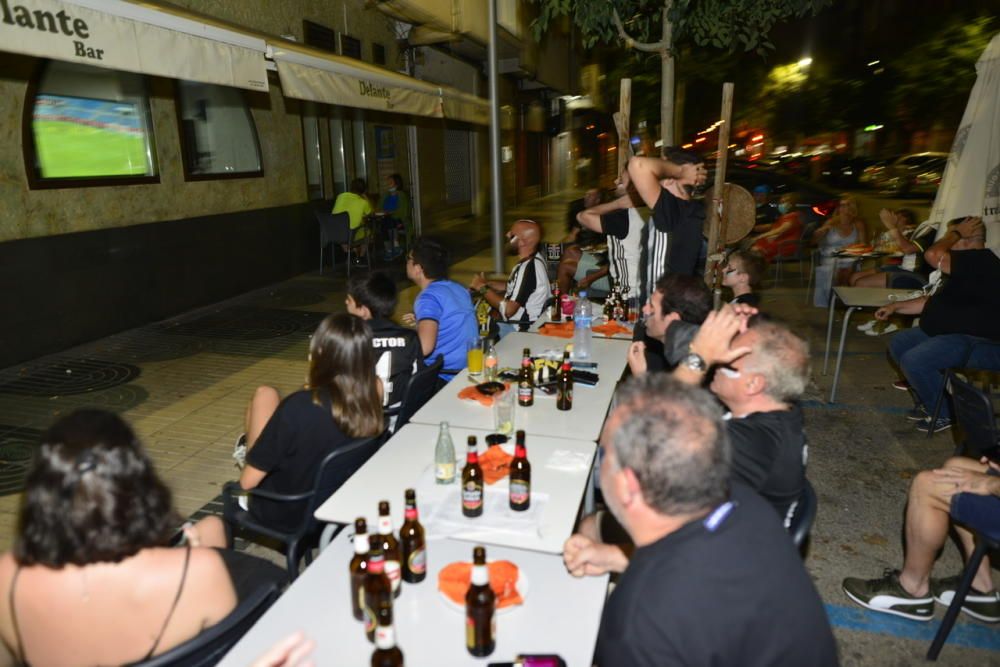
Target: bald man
x=522 y=298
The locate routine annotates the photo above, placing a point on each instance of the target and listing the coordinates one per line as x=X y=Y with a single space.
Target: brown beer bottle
x=472 y=482
x=377 y=589
x=390 y=547
x=564 y=389
x=359 y=567
x=526 y=381
x=520 y=476
x=386 y=654
x=411 y=542
x=480 y=608
x=556 y=304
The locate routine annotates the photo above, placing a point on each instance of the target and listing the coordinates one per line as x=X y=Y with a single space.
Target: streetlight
x=805 y=62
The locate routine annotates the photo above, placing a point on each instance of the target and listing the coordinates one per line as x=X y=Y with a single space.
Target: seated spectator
x=286 y=440
x=844 y=227
x=91 y=580
x=766 y=211
x=443 y=311
x=781 y=238
x=396 y=206
x=938 y=502
x=397 y=349
x=709 y=555
x=959 y=324
x=356 y=205
x=902 y=235
x=578 y=269
x=677 y=298
x=743 y=273
x=521 y=300
x=622 y=224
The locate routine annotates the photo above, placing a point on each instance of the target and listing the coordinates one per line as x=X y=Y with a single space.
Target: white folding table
x=560 y=469
x=590 y=404
x=560 y=614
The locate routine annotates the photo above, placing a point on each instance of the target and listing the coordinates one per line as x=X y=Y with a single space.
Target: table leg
x=829 y=329
x=840 y=353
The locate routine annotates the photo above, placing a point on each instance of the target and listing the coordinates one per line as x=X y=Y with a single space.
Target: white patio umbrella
x=971 y=181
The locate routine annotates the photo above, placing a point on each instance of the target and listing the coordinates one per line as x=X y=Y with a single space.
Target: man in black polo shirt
x=397 y=349
x=710 y=557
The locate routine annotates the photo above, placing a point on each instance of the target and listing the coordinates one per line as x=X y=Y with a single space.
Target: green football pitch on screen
x=73 y=150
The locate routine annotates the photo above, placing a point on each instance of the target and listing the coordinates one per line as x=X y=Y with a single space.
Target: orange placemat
x=495 y=463
x=454 y=578
x=611 y=328
x=557 y=329
x=472 y=393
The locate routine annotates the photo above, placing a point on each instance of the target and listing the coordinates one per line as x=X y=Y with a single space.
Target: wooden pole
x=716 y=216
x=622 y=125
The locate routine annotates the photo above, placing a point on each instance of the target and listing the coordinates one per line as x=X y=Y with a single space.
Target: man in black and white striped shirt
x=522 y=298
x=622 y=224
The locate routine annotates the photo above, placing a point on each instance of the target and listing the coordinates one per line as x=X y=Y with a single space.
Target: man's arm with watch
x=494 y=297
x=712 y=345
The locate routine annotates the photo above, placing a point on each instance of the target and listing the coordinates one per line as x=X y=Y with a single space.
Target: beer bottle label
x=369 y=619
x=418 y=561
x=519 y=491
x=385 y=637
x=472 y=496
x=524 y=392
x=394 y=573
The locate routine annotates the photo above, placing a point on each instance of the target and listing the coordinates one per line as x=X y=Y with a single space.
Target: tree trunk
x=666 y=82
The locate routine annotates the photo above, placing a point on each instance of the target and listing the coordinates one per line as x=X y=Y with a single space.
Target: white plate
x=523 y=587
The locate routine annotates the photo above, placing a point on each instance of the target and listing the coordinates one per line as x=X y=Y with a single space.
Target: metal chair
x=800 y=251
x=989 y=379
x=420 y=388
x=211 y=644
x=335 y=469
x=335 y=228
x=974 y=413
x=800 y=525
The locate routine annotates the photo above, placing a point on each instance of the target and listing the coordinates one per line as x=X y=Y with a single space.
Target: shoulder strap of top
x=13 y=618
x=166 y=621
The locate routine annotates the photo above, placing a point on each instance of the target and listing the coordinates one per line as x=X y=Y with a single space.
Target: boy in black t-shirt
x=743 y=273
x=397 y=349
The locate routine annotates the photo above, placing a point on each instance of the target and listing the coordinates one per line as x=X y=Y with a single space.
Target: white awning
x=123 y=36
x=335 y=79
x=465 y=107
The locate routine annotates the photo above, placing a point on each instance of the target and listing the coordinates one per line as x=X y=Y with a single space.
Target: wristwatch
x=694 y=362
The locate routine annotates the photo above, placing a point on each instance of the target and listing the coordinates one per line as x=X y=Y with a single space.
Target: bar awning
x=465 y=107
x=134 y=38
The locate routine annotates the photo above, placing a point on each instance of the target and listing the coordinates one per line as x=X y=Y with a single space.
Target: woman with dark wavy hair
x=90 y=580
x=286 y=440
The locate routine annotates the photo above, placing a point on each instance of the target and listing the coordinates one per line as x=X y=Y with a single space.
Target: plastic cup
x=503 y=412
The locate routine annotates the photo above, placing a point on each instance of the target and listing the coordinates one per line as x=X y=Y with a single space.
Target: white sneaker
x=867 y=326
x=240 y=451
x=887 y=329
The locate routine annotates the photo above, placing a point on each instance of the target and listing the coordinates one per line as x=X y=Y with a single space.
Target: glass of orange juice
x=474 y=356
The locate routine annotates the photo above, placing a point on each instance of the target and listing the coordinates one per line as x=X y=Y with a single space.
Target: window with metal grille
x=319 y=36
x=350 y=46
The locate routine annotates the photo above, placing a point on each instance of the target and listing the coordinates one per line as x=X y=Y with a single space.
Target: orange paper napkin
x=495 y=463
x=454 y=578
x=557 y=329
x=611 y=328
x=472 y=393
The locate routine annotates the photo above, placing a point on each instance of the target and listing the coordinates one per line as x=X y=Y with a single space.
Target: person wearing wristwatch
x=959 y=323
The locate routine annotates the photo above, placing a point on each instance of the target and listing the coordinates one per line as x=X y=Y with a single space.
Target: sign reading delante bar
x=64 y=31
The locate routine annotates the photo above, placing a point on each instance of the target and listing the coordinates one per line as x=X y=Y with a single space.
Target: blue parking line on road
x=969 y=635
x=885 y=409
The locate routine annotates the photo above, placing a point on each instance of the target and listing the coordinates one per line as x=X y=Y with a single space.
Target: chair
x=335 y=469
x=419 y=390
x=800 y=524
x=800 y=251
x=986 y=541
x=988 y=378
x=336 y=228
x=210 y=645
x=974 y=413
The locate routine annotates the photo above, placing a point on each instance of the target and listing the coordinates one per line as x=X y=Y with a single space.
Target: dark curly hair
x=92 y=495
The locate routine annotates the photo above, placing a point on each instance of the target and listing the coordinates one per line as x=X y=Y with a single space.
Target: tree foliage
x=724 y=24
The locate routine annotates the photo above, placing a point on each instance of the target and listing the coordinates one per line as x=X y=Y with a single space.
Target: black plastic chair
x=802 y=519
x=800 y=251
x=973 y=410
x=335 y=469
x=986 y=541
x=422 y=385
x=213 y=643
x=335 y=228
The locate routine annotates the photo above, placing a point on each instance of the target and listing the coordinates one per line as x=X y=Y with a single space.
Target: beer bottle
x=564 y=390
x=359 y=567
x=526 y=381
x=480 y=608
x=472 y=482
x=386 y=654
x=377 y=589
x=411 y=541
x=556 y=304
x=490 y=363
x=520 y=476
x=390 y=547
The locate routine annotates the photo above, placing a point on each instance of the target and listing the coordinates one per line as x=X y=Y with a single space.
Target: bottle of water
x=490 y=363
x=583 y=318
x=444 y=457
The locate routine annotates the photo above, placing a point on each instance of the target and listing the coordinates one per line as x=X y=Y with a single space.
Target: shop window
x=89 y=126
x=218 y=136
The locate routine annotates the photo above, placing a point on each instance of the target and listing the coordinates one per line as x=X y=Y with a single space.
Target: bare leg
x=842 y=276
x=262 y=405
x=869 y=279
x=984 y=579
x=211 y=532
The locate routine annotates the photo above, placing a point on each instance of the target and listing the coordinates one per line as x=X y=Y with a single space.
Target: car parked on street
x=917 y=174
